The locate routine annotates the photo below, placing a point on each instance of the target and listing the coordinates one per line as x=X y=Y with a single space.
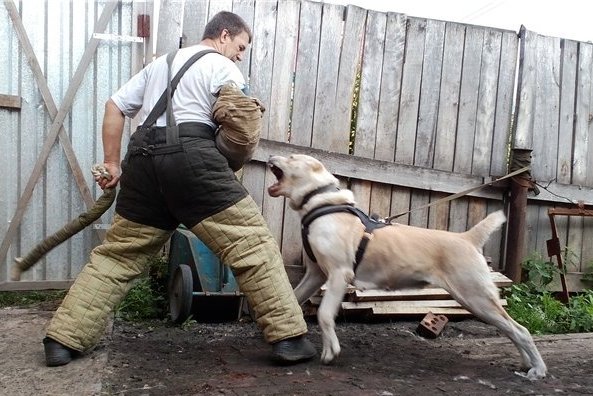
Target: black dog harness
x=370 y=225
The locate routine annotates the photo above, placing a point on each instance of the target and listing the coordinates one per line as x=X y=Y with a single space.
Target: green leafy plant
x=188 y=323
x=535 y=307
x=147 y=299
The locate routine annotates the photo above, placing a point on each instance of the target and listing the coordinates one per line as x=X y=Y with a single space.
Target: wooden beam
x=12 y=102
x=421 y=178
x=381 y=171
x=60 y=115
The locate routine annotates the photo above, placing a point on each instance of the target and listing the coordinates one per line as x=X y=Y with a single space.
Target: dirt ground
x=379 y=358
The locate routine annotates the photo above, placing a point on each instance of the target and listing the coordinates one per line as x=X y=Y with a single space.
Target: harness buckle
x=146 y=151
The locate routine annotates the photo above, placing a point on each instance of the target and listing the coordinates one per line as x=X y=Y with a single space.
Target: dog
x=396 y=256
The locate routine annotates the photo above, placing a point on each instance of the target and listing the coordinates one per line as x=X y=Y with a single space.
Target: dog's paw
x=327 y=357
x=534 y=373
x=329 y=354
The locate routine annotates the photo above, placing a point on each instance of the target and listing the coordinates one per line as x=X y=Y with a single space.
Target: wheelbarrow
x=200 y=285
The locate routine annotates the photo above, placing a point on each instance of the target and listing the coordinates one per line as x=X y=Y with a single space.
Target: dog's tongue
x=273 y=190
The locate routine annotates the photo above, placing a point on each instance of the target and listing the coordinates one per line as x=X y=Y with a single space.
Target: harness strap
x=320 y=190
x=161 y=104
x=370 y=225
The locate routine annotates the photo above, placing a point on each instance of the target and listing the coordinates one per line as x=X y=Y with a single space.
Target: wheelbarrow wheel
x=181 y=294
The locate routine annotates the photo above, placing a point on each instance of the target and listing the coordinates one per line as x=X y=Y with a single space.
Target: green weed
x=531 y=304
x=147 y=299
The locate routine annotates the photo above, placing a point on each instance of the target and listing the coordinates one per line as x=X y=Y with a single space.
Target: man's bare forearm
x=113 y=127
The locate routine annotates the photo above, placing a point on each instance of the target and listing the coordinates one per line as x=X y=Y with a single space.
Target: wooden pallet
x=418 y=301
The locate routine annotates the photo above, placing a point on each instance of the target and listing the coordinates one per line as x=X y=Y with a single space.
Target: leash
x=457 y=195
x=104 y=202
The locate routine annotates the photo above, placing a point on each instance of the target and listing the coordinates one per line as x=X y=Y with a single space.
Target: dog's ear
x=317 y=166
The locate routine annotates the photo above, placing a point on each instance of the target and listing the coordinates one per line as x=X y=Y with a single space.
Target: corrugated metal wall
x=58 y=32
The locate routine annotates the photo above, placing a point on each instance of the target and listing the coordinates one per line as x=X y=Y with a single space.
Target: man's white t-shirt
x=196 y=92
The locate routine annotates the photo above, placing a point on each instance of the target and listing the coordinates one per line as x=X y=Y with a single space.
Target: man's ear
x=224 y=35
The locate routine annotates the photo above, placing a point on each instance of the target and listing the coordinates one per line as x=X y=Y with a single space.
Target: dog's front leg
x=337 y=283
x=310 y=283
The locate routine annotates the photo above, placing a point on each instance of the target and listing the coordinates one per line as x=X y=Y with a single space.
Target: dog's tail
x=479 y=234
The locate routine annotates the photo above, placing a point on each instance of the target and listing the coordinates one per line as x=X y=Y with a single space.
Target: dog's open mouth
x=274 y=189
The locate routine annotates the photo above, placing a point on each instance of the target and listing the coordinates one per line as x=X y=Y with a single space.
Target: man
x=163 y=185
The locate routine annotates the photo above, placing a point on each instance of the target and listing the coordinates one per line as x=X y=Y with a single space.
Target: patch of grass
x=536 y=308
x=147 y=299
x=27 y=298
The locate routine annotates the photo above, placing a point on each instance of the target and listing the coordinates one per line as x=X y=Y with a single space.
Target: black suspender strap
x=161 y=104
x=172 y=131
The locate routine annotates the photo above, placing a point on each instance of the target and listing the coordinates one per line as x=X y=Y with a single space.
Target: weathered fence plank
x=262 y=58
x=368 y=105
x=169 y=26
x=432 y=65
x=504 y=103
x=246 y=10
x=280 y=108
x=195 y=17
x=306 y=70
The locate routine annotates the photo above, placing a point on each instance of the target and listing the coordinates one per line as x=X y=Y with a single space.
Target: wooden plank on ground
x=431 y=293
x=402 y=310
x=393 y=306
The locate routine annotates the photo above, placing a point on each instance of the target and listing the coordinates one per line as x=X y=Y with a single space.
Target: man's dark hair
x=225 y=20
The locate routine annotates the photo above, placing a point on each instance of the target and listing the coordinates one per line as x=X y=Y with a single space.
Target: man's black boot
x=56 y=354
x=293 y=350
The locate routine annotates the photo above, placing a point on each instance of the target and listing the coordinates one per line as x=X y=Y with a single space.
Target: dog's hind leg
x=484 y=303
x=337 y=283
x=310 y=283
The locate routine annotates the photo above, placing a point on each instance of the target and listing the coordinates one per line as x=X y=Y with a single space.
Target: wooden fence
x=554 y=120
x=431 y=94
x=404 y=110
